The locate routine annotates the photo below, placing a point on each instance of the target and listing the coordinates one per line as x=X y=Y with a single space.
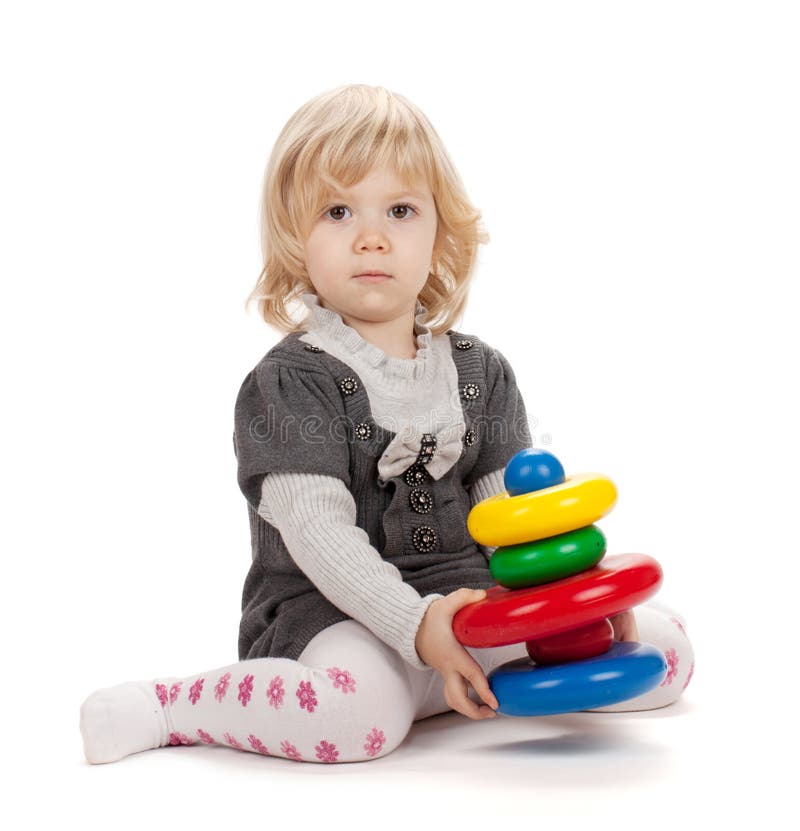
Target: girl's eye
x=338 y=208
x=404 y=207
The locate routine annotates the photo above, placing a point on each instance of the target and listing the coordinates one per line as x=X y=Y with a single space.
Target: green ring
x=553 y=558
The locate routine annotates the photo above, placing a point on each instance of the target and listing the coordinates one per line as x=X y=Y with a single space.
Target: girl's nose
x=371 y=237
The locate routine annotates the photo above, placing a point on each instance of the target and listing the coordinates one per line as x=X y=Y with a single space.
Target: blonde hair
x=338 y=137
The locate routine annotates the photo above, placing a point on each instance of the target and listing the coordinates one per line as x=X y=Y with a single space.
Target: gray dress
x=302 y=410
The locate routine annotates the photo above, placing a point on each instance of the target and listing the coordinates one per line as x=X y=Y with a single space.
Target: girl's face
x=377 y=225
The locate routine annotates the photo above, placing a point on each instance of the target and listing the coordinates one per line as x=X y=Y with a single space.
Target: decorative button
x=348 y=385
x=416 y=475
x=464 y=343
x=427 y=449
x=469 y=438
x=363 y=430
x=470 y=391
x=424 y=538
x=421 y=501
x=309 y=348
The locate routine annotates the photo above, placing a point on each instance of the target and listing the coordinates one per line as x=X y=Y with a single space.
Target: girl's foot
x=118 y=721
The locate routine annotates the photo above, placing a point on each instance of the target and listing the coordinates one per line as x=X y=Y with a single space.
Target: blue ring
x=626 y=671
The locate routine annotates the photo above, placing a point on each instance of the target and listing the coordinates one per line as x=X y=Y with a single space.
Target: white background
x=637 y=168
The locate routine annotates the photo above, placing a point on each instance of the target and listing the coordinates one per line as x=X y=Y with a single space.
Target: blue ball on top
x=532 y=470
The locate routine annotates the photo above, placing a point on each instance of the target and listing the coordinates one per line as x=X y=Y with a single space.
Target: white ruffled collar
x=328 y=325
x=430 y=380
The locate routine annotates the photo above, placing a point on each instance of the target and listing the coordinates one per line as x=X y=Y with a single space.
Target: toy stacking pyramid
x=557 y=592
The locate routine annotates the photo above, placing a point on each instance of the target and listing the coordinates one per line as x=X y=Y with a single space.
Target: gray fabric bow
x=404 y=449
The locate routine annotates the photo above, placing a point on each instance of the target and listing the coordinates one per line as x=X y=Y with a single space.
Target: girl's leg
x=657 y=624
x=349 y=698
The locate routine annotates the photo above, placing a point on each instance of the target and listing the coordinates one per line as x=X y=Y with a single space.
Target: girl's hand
x=437 y=647
x=624 y=625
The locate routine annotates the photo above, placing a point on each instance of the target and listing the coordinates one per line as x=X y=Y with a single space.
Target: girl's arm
x=316 y=517
x=488 y=485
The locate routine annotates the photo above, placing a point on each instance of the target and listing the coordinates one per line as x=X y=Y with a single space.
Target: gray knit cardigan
x=300 y=409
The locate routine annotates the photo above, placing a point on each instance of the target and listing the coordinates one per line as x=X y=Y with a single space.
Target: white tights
x=348 y=698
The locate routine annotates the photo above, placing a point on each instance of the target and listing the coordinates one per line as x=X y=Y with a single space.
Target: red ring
x=506 y=616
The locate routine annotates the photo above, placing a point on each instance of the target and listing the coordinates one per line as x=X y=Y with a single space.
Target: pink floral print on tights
x=342 y=679
x=327 y=752
x=375 y=741
x=290 y=750
x=258 y=745
x=162 y=695
x=246 y=689
x=222 y=686
x=232 y=741
x=195 y=690
x=308 y=698
x=672 y=666
x=275 y=692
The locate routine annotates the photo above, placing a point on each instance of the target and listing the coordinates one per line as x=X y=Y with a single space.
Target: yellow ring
x=508 y=520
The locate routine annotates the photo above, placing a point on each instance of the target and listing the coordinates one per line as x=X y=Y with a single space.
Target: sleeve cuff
x=407 y=648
